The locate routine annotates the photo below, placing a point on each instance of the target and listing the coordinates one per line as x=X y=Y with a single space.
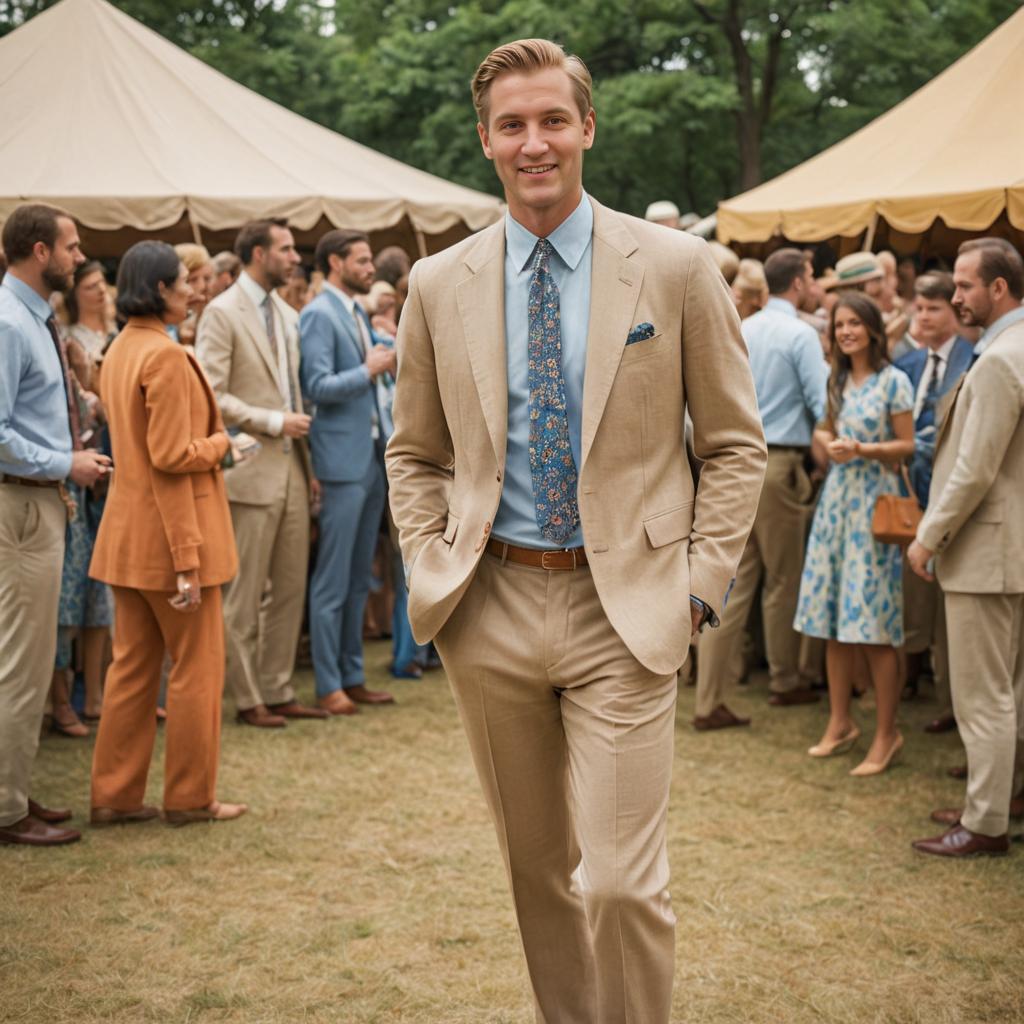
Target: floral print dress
x=851 y=589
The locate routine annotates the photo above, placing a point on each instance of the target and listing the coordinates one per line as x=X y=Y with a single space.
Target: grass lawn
x=365 y=885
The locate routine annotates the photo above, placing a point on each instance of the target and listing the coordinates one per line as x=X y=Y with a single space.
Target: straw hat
x=663 y=209
x=857 y=268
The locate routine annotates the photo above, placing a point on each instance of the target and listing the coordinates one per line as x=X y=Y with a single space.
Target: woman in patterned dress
x=851 y=588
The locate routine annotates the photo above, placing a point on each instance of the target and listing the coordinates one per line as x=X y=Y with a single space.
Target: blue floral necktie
x=552 y=466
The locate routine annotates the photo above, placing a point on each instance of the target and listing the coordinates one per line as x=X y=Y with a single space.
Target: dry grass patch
x=365 y=886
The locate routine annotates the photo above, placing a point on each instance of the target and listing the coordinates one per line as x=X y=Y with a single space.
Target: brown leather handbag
x=896 y=518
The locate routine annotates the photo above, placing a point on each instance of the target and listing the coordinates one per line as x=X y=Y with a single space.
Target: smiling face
x=536 y=137
x=851 y=333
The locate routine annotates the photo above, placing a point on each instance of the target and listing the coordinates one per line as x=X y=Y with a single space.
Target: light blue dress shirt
x=35 y=435
x=1006 y=320
x=790 y=373
x=516 y=520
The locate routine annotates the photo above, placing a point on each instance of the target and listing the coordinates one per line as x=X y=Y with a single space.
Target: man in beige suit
x=248 y=345
x=554 y=544
x=974 y=529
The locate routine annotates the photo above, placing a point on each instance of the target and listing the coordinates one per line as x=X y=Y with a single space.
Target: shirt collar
x=255 y=291
x=1006 y=320
x=569 y=240
x=37 y=305
x=350 y=303
x=944 y=349
x=780 y=305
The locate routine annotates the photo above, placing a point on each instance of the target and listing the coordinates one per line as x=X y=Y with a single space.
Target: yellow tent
x=107 y=119
x=954 y=149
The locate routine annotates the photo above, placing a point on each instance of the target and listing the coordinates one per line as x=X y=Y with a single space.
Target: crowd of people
x=194 y=462
x=855 y=371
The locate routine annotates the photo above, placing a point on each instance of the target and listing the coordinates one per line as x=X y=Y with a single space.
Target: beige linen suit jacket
x=975 y=517
x=650 y=540
x=233 y=348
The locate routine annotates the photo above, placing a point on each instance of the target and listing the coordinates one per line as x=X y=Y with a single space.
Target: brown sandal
x=217 y=811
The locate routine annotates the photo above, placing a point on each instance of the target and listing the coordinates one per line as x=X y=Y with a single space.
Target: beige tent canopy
x=107 y=119
x=953 y=150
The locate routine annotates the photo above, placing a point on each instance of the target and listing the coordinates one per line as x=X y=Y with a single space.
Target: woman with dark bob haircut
x=851 y=589
x=165 y=546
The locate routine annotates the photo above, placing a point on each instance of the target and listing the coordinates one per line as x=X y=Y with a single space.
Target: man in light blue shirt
x=791 y=379
x=37 y=453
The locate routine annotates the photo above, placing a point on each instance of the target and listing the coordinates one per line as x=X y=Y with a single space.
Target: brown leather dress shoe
x=962 y=842
x=804 y=695
x=30 y=831
x=720 y=718
x=51 y=815
x=361 y=695
x=293 y=709
x=261 y=718
x=100 y=816
x=944 y=723
x=337 y=703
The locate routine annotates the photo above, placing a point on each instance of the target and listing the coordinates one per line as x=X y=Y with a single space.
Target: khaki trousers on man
x=263 y=627
x=572 y=741
x=924 y=628
x=145 y=625
x=32 y=524
x=986 y=661
x=774 y=552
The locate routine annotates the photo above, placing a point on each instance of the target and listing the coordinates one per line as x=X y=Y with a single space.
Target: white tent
x=104 y=117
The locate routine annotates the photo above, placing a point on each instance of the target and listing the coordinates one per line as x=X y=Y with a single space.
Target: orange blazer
x=167 y=509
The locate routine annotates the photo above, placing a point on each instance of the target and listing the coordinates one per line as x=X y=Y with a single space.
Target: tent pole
x=869 y=239
x=197 y=236
x=421 y=243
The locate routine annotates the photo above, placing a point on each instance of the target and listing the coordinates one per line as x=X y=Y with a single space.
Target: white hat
x=663 y=209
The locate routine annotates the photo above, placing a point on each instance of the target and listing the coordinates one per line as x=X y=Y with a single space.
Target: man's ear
x=485 y=140
x=589 y=128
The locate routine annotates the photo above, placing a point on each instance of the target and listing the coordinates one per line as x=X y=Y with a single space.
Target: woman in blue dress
x=851 y=588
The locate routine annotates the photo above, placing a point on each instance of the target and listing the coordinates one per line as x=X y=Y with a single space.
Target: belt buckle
x=544 y=564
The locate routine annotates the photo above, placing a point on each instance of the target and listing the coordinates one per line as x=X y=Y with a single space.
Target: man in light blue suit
x=341 y=359
x=934 y=370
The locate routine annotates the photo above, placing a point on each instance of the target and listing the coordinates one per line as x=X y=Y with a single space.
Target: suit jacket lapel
x=614 y=291
x=347 y=322
x=253 y=321
x=481 y=299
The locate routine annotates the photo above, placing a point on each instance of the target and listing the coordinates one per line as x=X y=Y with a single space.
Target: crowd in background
x=233 y=507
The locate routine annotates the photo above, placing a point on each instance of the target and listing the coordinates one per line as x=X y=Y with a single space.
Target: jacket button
x=487 y=528
x=499 y=476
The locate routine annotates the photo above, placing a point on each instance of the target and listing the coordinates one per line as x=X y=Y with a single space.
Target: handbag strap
x=905 y=474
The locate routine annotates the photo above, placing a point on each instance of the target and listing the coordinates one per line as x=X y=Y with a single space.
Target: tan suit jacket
x=975 y=517
x=650 y=540
x=167 y=509
x=232 y=346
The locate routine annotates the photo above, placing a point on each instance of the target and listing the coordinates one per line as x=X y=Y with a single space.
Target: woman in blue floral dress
x=851 y=588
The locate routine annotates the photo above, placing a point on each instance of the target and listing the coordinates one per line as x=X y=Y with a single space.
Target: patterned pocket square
x=640 y=333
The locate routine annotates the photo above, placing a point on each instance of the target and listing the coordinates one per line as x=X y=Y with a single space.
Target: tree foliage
x=696 y=99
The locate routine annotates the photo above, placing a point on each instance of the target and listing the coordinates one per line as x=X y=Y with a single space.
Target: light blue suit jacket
x=335 y=381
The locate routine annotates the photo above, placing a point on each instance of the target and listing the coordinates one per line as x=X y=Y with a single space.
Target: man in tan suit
x=974 y=529
x=248 y=345
x=554 y=544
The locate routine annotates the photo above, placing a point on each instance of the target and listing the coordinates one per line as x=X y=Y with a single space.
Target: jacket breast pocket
x=641 y=350
x=669 y=527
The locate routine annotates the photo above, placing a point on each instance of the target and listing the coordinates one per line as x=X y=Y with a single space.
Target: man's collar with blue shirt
x=780 y=305
x=569 y=240
x=347 y=300
x=1006 y=320
x=37 y=305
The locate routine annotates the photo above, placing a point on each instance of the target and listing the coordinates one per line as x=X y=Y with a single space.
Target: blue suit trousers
x=350 y=518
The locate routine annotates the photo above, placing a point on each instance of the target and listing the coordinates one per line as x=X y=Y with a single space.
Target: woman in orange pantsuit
x=165 y=546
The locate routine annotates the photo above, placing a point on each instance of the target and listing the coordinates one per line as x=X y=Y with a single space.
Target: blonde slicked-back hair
x=526 y=55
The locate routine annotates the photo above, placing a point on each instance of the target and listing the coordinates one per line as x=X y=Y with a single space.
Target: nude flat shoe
x=839 y=746
x=217 y=811
x=866 y=768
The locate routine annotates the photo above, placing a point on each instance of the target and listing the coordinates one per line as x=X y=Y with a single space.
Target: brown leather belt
x=557 y=560
x=24 y=481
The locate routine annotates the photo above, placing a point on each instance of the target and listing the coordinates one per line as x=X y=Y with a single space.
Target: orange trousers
x=145 y=625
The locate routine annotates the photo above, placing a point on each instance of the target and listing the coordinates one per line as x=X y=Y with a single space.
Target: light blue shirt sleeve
x=35 y=436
